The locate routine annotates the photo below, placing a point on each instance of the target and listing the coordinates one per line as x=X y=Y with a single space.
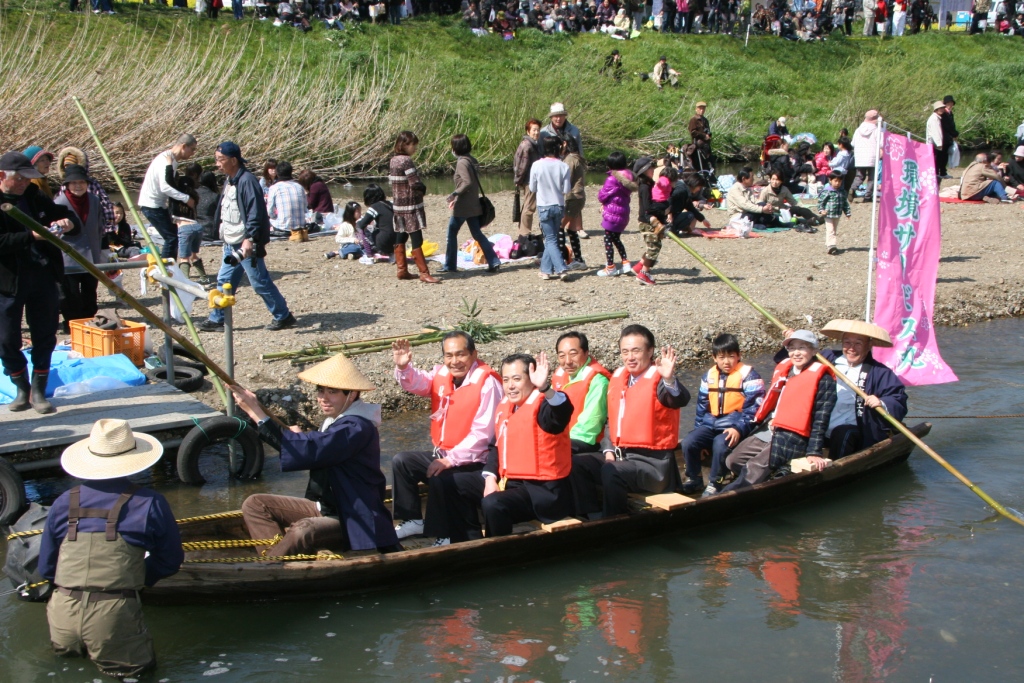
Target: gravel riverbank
x=789 y=273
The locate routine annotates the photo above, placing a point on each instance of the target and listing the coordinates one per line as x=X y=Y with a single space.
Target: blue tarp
x=64 y=370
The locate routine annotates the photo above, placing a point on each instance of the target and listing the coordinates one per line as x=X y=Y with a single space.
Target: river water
x=903 y=576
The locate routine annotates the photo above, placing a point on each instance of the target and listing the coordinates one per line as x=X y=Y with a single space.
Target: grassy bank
x=335 y=100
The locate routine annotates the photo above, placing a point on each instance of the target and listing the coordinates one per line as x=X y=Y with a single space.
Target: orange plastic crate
x=91 y=341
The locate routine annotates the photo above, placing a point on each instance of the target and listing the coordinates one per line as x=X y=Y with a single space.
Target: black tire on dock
x=185 y=378
x=216 y=430
x=184 y=357
x=182 y=362
x=12 y=493
x=178 y=350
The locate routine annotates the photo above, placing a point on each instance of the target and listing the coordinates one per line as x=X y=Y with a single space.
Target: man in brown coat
x=980 y=180
x=700 y=134
x=527 y=153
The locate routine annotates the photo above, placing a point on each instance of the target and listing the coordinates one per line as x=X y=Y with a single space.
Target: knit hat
x=112 y=450
x=35 y=153
x=337 y=372
x=72 y=155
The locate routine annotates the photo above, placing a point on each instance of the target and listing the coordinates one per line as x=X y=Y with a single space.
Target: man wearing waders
x=104 y=541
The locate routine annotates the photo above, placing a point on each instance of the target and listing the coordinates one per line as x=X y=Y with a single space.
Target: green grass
x=435 y=77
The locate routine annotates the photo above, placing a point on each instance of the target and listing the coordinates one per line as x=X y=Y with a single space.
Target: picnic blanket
x=954 y=200
x=720 y=233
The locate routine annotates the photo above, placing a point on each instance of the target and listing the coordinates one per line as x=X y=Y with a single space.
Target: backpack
x=526 y=246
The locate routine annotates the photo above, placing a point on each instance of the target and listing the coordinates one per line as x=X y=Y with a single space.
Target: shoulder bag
x=486 y=205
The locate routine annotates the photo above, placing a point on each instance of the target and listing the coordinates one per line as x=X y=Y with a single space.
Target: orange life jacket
x=723 y=400
x=794 y=407
x=525 y=451
x=636 y=418
x=578 y=390
x=452 y=409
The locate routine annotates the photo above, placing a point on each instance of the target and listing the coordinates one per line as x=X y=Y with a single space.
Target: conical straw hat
x=836 y=328
x=337 y=373
x=112 y=450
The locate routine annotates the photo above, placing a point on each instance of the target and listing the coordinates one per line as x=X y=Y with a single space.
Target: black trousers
x=521 y=501
x=636 y=474
x=585 y=478
x=79 y=298
x=453 y=496
x=941 y=160
x=38 y=298
x=843 y=441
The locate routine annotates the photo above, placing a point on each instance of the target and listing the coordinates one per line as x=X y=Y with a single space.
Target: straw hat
x=557 y=109
x=112 y=450
x=938 y=104
x=337 y=373
x=876 y=334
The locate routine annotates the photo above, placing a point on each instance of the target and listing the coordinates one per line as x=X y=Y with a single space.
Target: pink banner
x=909 y=244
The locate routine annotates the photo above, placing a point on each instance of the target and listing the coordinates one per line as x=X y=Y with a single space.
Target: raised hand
x=401 y=352
x=667 y=363
x=539 y=371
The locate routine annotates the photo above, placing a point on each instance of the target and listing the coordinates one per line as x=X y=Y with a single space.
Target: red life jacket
x=636 y=418
x=525 y=451
x=794 y=407
x=578 y=390
x=452 y=409
x=730 y=398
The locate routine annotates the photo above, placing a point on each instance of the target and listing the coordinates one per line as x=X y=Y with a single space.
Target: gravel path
x=789 y=273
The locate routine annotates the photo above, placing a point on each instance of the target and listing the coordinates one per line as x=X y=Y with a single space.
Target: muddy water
x=904 y=576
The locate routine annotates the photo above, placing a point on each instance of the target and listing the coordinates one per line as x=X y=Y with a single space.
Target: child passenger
x=348 y=234
x=730 y=394
x=614 y=199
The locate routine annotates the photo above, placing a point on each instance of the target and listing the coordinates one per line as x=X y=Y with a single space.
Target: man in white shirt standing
x=550 y=181
x=286 y=204
x=157 y=189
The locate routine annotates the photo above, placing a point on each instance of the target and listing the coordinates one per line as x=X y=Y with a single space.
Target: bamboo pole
x=120 y=293
x=217 y=384
x=860 y=392
x=373 y=345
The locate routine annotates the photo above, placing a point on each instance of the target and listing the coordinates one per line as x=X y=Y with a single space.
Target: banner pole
x=874 y=215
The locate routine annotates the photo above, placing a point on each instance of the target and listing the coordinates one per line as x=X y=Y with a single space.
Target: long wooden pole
x=120 y=293
x=221 y=391
x=896 y=424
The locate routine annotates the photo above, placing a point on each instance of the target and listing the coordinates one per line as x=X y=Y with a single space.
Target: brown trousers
x=304 y=529
x=752 y=454
x=528 y=208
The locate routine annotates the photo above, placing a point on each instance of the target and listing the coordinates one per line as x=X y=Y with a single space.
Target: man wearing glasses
x=30 y=269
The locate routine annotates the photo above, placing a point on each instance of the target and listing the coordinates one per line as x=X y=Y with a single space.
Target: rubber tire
x=185 y=378
x=183 y=358
x=219 y=430
x=12 y=493
x=179 y=350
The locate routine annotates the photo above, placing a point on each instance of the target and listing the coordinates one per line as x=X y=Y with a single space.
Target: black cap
x=16 y=162
x=641 y=165
x=948 y=99
x=73 y=172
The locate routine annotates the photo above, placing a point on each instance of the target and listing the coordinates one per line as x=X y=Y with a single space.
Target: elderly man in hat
x=793 y=419
x=935 y=138
x=559 y=127
x=343 y=508
x=244 y=226
x=30 y=270
x=854 y=423
x=104 y=541
x=700 y=136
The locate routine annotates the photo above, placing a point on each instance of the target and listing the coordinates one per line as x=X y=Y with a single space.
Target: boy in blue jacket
x=729 y=396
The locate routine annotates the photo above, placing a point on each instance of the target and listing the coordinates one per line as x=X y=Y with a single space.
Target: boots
x=186 y=269
x=20 y=401
x=305 y=235
x=403 y=267
x=421 y=264
x=38 y=394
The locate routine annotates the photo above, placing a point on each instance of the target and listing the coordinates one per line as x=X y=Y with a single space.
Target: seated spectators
x=663 y=73
x=980 y=181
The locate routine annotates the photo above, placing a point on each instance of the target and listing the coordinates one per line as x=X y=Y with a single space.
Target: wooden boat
x=231 y=574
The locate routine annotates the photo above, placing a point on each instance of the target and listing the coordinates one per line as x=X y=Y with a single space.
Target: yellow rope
x=193 y=546
x=185 y=520
x=282 y=558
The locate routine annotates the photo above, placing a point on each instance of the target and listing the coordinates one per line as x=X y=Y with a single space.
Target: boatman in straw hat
x=343 y=508
x=559 y=127
x=105 y=540
x=855 y=424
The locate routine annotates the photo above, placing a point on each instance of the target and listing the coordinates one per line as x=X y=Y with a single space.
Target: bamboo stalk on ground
x=355 y=348
x=896 y=424
x=116 y=289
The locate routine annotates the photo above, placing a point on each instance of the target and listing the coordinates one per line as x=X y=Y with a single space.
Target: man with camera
x=245 y=229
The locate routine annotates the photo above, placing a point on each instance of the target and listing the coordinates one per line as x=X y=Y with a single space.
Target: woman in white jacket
x=865 y=153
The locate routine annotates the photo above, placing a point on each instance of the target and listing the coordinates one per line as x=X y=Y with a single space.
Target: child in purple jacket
x=614 y=198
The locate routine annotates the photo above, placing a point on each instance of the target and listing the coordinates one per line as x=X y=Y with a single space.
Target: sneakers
x=1006 y=201
x=710 y=490
x=691 y=486
x=410 y=527
x=210 y=326
x=583 y=234
x=330 y=254
x=441 y=542
x=283 y=324
x=715 y=486
x=608 y=271
x=351 y=257
x=548 y=276
x=644 y=277
x=578 y=264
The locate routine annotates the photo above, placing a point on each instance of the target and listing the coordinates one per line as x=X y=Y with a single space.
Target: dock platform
x=149 y=408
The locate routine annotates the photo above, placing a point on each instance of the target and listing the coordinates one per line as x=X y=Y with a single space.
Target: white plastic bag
x=953 y=160
x=89 y=386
